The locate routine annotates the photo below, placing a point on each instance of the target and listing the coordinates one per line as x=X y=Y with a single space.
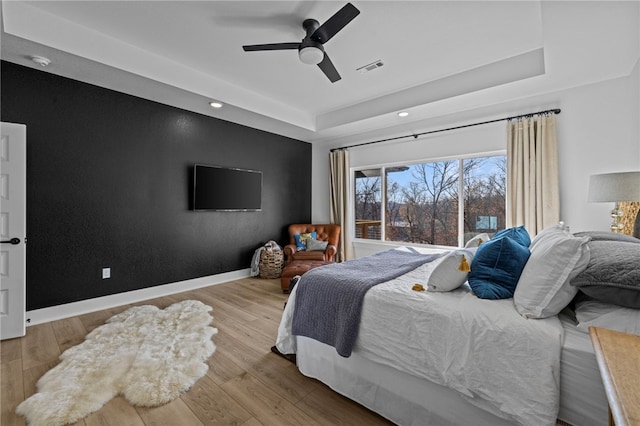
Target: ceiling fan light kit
x=311 y=49
x=311 y=55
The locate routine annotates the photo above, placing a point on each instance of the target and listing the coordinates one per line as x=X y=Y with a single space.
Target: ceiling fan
x=311 y=49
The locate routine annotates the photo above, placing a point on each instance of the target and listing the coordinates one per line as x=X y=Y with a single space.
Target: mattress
x=582 y=398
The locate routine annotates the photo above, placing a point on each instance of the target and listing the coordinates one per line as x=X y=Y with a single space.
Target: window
x=368 y=204
x=422 y=202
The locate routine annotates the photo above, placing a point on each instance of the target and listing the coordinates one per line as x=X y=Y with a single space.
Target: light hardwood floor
x=246 y=383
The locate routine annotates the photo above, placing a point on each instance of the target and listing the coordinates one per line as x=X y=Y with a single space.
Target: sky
x=404 y=177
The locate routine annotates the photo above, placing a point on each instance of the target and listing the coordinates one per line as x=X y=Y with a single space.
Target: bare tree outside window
x=421 y=203
x=484 y=202
x=368 y=204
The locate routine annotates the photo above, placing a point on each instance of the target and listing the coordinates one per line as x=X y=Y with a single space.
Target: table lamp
x=616 y=187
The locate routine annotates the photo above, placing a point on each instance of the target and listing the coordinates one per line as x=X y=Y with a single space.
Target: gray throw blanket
x=329 y=298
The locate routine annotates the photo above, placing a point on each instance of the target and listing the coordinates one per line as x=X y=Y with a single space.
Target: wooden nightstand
x=618 y=356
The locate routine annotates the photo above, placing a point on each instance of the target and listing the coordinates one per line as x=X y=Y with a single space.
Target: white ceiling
x=440 y=57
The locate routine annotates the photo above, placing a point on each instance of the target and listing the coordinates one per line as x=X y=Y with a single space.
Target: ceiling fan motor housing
x=310 y=26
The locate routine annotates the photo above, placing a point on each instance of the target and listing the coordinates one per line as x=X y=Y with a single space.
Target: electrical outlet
x=106 y=273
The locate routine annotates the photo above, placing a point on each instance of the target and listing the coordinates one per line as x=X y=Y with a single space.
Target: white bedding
x=410 y=401
x=483 y=349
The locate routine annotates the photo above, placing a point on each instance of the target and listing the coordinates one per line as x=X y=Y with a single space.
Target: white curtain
x=339 y=185
x=532 y=173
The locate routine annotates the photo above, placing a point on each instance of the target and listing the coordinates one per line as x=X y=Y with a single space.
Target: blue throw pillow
x=519 y=234
x=496 y=268
x=301 y=239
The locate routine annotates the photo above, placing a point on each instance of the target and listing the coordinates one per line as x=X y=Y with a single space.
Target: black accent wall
x=109 y=183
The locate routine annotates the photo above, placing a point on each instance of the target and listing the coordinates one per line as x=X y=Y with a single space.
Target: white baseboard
x=53 y=313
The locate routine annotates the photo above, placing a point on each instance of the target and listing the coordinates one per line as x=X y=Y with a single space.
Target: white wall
x=454 y=143
x=598 y=131
x=599 y=134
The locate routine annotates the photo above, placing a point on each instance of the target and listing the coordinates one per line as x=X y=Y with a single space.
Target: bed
x=452 y=358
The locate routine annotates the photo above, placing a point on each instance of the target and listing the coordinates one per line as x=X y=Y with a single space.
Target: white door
x=13 y=180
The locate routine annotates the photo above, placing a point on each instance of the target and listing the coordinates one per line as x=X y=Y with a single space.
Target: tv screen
x=221 y=188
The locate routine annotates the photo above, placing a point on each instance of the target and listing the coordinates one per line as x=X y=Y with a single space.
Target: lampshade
x=311 y=55
x=607 y=187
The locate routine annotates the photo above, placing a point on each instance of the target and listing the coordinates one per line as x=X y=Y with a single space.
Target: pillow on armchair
x=321 y=234
x=315 y=245
x=302 y=240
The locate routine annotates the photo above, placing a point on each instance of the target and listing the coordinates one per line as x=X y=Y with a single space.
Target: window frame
x=382 y=167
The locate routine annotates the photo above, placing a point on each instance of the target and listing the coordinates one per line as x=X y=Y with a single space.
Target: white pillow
x=477 y=240
x=550 y=230
x=557 y=257
x=447 y=275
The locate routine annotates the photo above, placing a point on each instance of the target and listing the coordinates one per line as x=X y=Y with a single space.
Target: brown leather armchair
x=329 y=233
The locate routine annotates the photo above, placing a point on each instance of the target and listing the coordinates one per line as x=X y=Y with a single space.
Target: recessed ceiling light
x=403 y=114
x=215 y=104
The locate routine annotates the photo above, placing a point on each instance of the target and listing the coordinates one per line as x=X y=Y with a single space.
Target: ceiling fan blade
x=328 y=69
x=271 y=46
x=334 y=24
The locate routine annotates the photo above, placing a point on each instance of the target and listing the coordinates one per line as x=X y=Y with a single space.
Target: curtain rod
x=415 y=135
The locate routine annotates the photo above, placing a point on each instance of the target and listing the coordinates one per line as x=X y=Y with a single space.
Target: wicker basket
x=271 y=263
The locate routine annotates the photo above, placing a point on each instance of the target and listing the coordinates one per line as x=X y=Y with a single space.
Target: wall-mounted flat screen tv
x=227 y=189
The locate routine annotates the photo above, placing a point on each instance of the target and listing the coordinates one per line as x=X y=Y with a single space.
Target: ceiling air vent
x=370 y=67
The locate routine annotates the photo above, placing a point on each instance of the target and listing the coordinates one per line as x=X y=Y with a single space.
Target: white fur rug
x=148 y=355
